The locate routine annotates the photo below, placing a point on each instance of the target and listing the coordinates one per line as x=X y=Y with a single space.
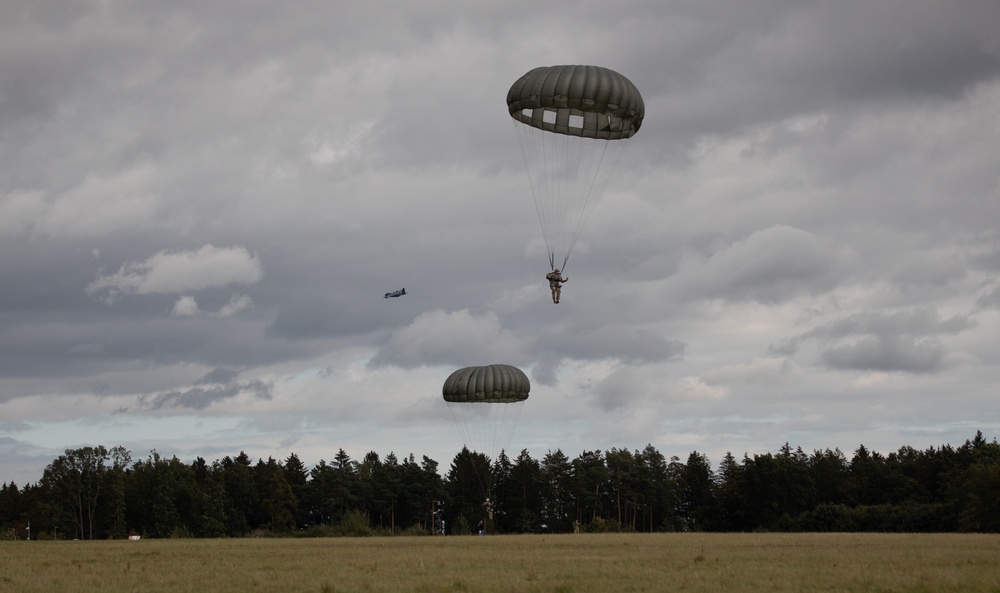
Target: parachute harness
x=567 y=175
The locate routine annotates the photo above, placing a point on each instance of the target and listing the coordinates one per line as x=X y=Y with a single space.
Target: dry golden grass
x=607 y=563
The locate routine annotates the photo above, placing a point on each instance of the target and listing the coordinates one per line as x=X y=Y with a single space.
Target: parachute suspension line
x=469 y=428
x=486 y=425
x=552 y=164
x=579 y=198
x=573 y=209
x=533 y=154
x=567 y=175
x=602 y=161
x=489 y=426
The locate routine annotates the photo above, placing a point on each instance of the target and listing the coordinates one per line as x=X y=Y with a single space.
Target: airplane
x=394 y=294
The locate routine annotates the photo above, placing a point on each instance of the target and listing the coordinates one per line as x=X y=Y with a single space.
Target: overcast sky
x=202 y=204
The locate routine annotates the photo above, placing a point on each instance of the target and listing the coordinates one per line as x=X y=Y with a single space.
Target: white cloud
x=186 y=306
x=328 y=152
x=693 y=388
x=178 y=271
x=237 y=303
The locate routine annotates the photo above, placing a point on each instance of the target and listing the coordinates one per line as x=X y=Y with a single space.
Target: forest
x=101 y=493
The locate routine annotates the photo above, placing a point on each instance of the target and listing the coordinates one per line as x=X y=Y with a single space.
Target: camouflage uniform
x=555 y=283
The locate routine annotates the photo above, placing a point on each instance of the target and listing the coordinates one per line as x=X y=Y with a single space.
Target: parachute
x=485 y=402
x=573 y=124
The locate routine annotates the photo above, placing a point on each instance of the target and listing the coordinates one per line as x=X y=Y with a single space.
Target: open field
x=604 y=563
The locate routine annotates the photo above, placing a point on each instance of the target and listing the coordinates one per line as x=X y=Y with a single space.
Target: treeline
x=96 y=493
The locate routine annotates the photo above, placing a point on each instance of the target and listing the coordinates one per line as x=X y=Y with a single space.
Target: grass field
x=605 y=563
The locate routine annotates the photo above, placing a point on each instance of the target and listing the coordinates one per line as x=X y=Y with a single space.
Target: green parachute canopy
x=573 y=124
x=588 y=101
x=490 y=384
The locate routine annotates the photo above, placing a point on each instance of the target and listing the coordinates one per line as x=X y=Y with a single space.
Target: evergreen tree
x=522 y=493
x=590 y=483
x=210 y=497
x=432 y=492
x=501 y=470
x=11 y=512
x=336 y=490
x=829 y=471
x=621 y=467
x=162 y=498
x=240 y=494
x=979 y=481
x=865 y=477
x=559 y=506
x=467 y=492
x=697 y=493
x=297 y=476
x=660 y=493
x=730 y=498
x=277 y=506
x=387 y=484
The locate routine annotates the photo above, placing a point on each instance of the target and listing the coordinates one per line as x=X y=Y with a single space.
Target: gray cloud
x=770 y=266
x=219 y=375
x=588 y=341
x=919 y=321
x=988 y=259
x=888 y=353
x=989 y=300
x=906 y=341
x=199 y=398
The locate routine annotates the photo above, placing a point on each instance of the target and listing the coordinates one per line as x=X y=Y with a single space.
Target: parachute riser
x=552 y=262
